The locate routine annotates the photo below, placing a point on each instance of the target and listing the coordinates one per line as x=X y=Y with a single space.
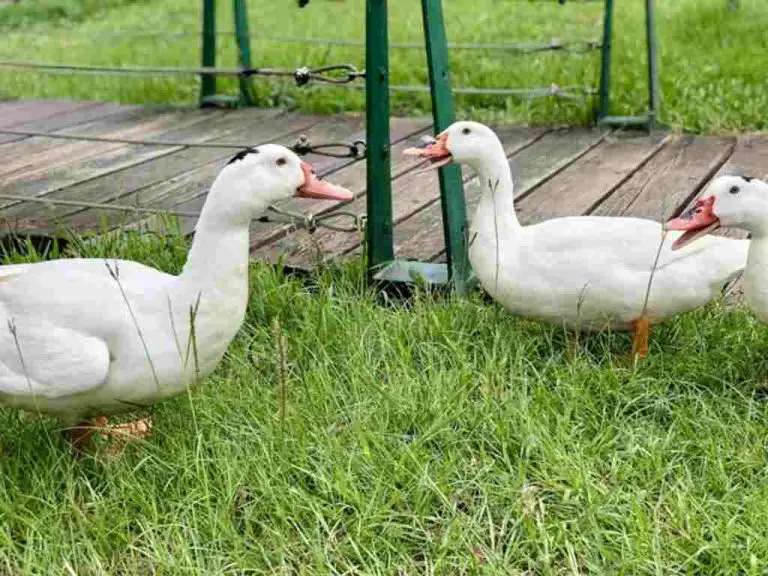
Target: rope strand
x=302 y=76
x=576 y=46
x=302 y=146
x=309 y=222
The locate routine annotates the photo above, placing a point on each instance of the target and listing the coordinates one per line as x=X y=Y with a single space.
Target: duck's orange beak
x=697 y=221
x=435 y=152
x=314 y=187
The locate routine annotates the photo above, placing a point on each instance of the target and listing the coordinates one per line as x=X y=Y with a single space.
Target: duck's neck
x=756 y=275
x=220 y=249
x=496 y=210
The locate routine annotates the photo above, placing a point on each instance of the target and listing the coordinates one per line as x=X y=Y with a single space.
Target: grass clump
x=713 y=61
x=347 y=432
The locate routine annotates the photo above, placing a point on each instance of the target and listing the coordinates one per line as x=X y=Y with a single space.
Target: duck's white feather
x=595 y=272
x=75 y=347
x=590 y=272
x=40 y=359
x=87 y=337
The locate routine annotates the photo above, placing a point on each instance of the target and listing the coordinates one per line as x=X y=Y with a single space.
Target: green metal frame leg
x=650 y=119
x=605 y=61
x=452 y=199
x=208 y=81
x=243 y=49
x=653 y=70
x=378 y=175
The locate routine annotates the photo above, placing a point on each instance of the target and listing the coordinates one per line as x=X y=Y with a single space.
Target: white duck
x=736 y=202
x=83 y=338
x=586 y=272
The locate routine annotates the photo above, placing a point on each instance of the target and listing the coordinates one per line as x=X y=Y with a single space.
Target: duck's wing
x=714 y=258
x=623 y=237
x=56 y=318
x=88 y=295
x=638 y=244
x=8 y=273
x=38 y=358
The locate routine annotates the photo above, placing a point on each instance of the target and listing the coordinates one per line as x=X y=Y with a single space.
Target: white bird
x=583 y=272
x=84 y=338
x=734 y=202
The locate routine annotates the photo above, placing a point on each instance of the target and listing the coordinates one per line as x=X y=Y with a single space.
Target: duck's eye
x=734 y=190
x=281 y=161
x=466 y=131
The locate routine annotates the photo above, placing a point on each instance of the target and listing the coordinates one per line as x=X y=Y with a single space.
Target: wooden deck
x=557 y=171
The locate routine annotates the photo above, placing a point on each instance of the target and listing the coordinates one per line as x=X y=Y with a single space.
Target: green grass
x=23 y=14
x=432 y=436
x=713 y=62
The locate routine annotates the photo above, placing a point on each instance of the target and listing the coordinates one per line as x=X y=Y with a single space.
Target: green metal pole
x=243 y=49
x=452 y=199
x=379 y=186
x=208 y=81
x=653 y=69
x=605 y=61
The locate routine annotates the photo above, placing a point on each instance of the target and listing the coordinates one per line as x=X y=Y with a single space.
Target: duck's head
x=730 y=201
x=270 y=173
x=463 y=142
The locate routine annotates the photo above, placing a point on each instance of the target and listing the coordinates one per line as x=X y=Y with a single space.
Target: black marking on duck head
x=739 y=173
x=242 y=154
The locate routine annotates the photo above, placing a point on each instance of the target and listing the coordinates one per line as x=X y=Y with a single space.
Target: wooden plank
x=187 y=191
x=421 y=236
x=412 y=190
x=577 y=187
x=669 y=179
x=124 y=114
x=244 y=127
x=750 y=157
x=19 y=112
x=584 y=184
x=344 y=171
x=60 y=153
x=580 y=186
x=351 y=176
x=34 y=151
x=79 y=115
x=97 y=158
x=333 y=129
x=330 y=129
x=7 y=106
